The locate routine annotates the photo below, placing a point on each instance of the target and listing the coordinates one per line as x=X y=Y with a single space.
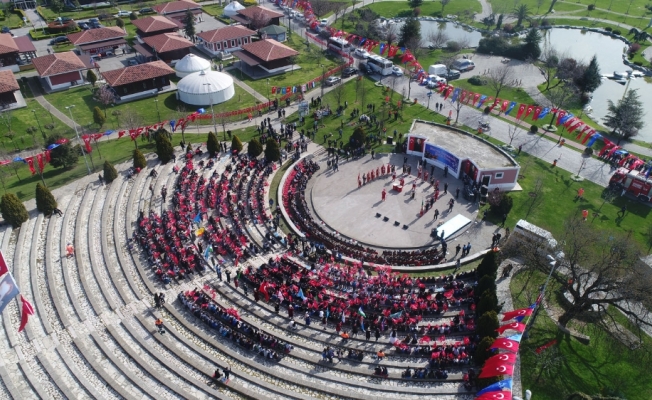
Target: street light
x=157 y=112
x=69 y=108
x=323 y=73
x=212 y=112
x=39 y=124
x=268 y=92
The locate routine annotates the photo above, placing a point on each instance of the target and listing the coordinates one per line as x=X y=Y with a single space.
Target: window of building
x=499 y=175
x=217 y=46
x=232 y=43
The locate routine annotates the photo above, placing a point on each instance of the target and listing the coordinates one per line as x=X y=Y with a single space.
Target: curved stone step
x=32 y=330
x=38 y=237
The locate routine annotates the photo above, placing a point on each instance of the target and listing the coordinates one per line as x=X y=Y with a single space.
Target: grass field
x=615 y=6
x=508 y=93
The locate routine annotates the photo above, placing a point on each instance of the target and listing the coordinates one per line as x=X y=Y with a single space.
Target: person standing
x=457 y=249
x=468 y=248
x=446 y=188
x=227 y=373
x=384 y=194
x=228 y=276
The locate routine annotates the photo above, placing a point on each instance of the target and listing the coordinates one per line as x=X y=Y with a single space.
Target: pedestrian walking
x=446 y=188
x=377 y=334
x=457 y=193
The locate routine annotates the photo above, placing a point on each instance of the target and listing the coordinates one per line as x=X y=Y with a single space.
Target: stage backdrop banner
x=442 y=156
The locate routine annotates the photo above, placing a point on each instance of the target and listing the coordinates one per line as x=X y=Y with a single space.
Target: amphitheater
x=93 y=333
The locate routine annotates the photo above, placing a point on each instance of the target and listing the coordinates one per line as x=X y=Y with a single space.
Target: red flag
x=39 y=160
x=47 y=156
x=503 y=108
x=570 y=121
x=263 y=289
x=30 y=163
x=576 y=126
x=448 y=92
x=545 y=346
x=506 y=344
x=87 y=143
x=463 y=96
x=476 y=97
x=537 y=111
x=27 y=311
x=501 y=358
x=516 y=326
x=133 y=133
x=498 y=395
x=528 y=111
x=3 y=264
x=121 y=134
x=495 y=370
x=521 y=109
x=560 y=115
x=523 y=312
x=588 y=135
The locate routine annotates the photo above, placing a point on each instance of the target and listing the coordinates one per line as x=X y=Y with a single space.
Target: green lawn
x=11 y=19
x=213 y=9
x=310 y=68
x=637 y=6
x=514 y=94
x=391 y=9
x=82 y=98
x=606 y=366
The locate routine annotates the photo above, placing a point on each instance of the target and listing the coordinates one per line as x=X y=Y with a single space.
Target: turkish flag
x=121 y=134
x=521 y=109
x=528 y=111
x=576 y=126
x=476 y=97
x=40 y=161
x=48 y=158
x=516 y=326
x=505 y=344
x=501 y=395
x=523 y=312
x=28 y=310
x=501 y=358
x=3 y=264
x=537 y=111
x=503 y=108
x=30 y=163
x=560 y=115
x=495 y=370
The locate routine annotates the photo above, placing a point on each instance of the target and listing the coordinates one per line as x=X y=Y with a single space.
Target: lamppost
x=323 y=73
x=212 y=111
x=39 y=124
x=268 y=93
x=157 y=112
x=69 y=108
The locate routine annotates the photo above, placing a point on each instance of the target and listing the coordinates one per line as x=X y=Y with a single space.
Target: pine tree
x=45 y=202
x=64 y=155
x=119 y=23
x=531 y=49
x=485 y=283
x=236 y=144
x=411 y=29
x=189 y=25
x=488 y=302
x=212 y=144
x=358 y=137
x=254 y=149
x=487 y=325
x=98 y=116
x=626 y=117
x=591 y=78
x=110 y=173
x=13 y=210
x=164 y=149
x=91 y=77
x=139 y=159
x=272 y=152
x=488 y=266
x=483 y=351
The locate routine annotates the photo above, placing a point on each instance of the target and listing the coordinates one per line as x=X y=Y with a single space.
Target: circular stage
x=351 y=211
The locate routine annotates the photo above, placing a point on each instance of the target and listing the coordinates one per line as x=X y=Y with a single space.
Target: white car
x=323 y=22
x=122 y=13
x=437 y=79
x=362 y=53
x=397 y=71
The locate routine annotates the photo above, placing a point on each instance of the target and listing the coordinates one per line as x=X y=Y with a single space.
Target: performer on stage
x=384 y=194
x=378 y=172
x=402 y=181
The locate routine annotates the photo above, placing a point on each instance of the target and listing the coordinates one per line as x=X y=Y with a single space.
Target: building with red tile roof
x=9 y=52
x=267 y=54
x=60 y=70
x=177 y=9
x=139 y=79
x=168 y=47
x=8 y=85
x=98 y=41
x=155 y=25
x=227 y=39
x=252 y=17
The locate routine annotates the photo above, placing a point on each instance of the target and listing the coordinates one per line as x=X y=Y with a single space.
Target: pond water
x=454 y=32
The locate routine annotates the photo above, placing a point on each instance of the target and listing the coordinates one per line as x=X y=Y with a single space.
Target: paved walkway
x=38 y=96
x=486 y=10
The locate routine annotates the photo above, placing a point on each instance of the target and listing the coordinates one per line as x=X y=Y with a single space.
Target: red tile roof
x=167 y=42
x=176 y=6
x=96 y=35
x=24 y=44
x=226 y=33
x=269 y=50
x=7 y=44
x=250 y=12
x=8 y=82
x=137 y=73
x=155 y=23
x=58 y=63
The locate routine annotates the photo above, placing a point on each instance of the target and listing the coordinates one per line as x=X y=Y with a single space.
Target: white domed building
x=232 y=9
x=190 y=64
x=205 y=88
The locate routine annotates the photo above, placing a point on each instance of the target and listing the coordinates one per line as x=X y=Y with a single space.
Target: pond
x=453 y=32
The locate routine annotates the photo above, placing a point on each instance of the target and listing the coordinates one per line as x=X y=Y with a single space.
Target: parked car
x=83 y=25
x=132 y=62
x=103 y=17
x=146 y=10
x=366 y=69
x=463 y=65
x=451 y=75
x=65 y=20
x=349 y=71
x=362 y=53
x=397 y=71
x=333 y=80
x=59 y=40
x=5 y=29
x=323 y=22
x=123 y=13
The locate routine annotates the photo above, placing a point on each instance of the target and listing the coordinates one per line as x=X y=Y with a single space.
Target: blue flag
x=498 y=386
x=516 y=338
x=8 y=290
x=362 y=312
x=510 y=108
x=593 y=139
x=197 y=218
x=396 y=315
x=544 y=112
x=301 y=295
x=483 y=98
x=362 y=324
x=456 y=94
x=565 y=118
x=172 y=123
x=209 y=249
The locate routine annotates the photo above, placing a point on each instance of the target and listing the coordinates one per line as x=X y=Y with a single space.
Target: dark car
x=349 y=71
x=5 y=29
x=451 y=75
x=366 y=69
x=83 y=25
x=59 y=40
x=147 y=10
x=103 y=17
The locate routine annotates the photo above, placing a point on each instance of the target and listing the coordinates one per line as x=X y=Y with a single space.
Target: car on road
x=463 y=65
x=362 y=53
x=366 y=69
x=349 y=71
x=451 y=75
x=59 y=40
x=105 y=16
x=397 y=71
x=123 y=13
x=146 y=10
x=333 y=80
x=323 y=22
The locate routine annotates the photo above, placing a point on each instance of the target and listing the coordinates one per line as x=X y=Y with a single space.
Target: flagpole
x=553 y=265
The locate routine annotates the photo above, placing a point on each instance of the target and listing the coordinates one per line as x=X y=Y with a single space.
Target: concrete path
x=38 y=96
x=486 y=10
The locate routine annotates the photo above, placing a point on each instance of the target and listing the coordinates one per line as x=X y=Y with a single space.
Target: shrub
x=45 y=202
x=212 y=144
x=634 y=48
x=500 y=203
x=453 y=46
x=476 y=80
x=358 y=138
x=133 y=16
x=509 y=28
x=617 y=32
x=487 y=110
x=483 y=351
x=608 y=29
x=488 y=266
x=13 y=210
x=164 y=149
x=272 y=152
x=91 y=77
x=416 y=11
x=236 y=144
x=98 y=116
x=588 y=151
x=488 y=303
x=591 y=7
x=119 y=23
x=487 y=325
x=640 y=64
x=254 y=149
x=110 y=173
x=585 y=98
x=546 y=22
x=485 y=283
x=534 y=129
x=139 y=159
x=64 y=155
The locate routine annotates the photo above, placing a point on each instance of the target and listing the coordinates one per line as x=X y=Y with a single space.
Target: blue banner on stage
x=433 y=152
x=8 y=290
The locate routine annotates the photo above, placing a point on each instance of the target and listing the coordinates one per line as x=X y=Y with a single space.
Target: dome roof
x=197 y=83
x=192 y=63
x=232 y=8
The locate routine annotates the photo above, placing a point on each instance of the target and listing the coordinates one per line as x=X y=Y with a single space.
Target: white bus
x=339 y=45
x=380 y=65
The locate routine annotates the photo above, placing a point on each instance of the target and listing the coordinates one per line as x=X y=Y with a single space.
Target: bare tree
x=339 y=9
x=321 y=7
x=444 y=3
x=548 y=67
x=514 y=130
x=132 y=120
x=338 y=92
x=391 y=34
x=7 y=120
x=437 y=38
x=536 y=197
x=416 y=46
x=259 y=20
x=105 y=96
x=559 y=97
x=500 y=77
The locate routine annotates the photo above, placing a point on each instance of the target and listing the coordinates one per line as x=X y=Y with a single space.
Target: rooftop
x=137 y=73
x=24 y=44
x=175 y=6
x=8 y=82
x=269 y=50
x=463 y=145
x=96 y=35
x=155 y=23
x=58 y=63
x=7 y=44
x=167 y=42
x=273 y=30
x=226 y=33
x=250 y=12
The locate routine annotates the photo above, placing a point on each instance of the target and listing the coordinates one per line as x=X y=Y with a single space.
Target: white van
x=463 y=65
x=437 y=69
x=533 y=235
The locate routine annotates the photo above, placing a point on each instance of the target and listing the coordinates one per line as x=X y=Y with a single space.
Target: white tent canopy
x=205 y=88
x=232 y=9
x=191 y=64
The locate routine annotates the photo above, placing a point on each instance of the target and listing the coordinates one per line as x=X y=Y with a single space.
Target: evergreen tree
x=98 y=116
x=272 y=152
x=236 y=144
x=358 y=137
x=411 y=29
x=488 y=302
x=626 y=117
x=91 y=77
x=189 y=25
x=13 y=210
x=254 y=149
x=119 y=23
x=591 y=78
x=139 y=159
x=483 y=351
x=64 y=155
x=110 y=173
x=415 y=3
x=133 y=16
x=500 y=21
x=45 y=202
x=212 y=144
x=485 y=283
x=487 y=325
x=488 y=266
x=531 y=49
x=164 y=149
